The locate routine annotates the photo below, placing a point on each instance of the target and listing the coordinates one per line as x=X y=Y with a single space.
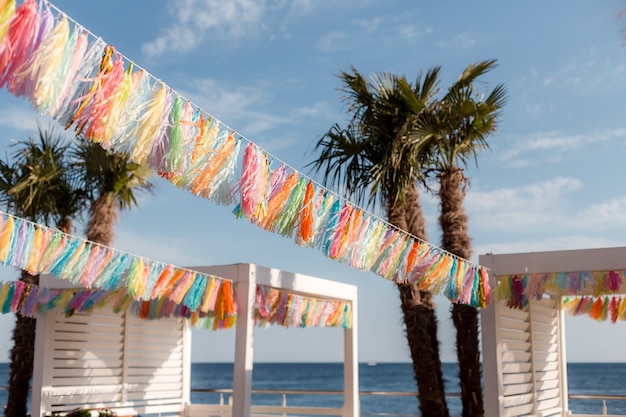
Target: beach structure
x=523 y=334
x=133 y=366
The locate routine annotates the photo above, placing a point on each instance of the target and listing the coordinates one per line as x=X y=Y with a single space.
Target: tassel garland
x=87 y=85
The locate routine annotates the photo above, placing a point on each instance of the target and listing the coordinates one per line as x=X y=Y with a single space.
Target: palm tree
x=37 y=184
x=113 y=183
x=453 y=132
x=366 y=156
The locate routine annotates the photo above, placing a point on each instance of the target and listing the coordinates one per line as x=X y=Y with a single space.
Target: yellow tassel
x=5 y=238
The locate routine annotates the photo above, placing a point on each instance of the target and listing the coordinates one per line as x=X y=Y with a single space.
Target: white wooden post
x=492 y=373
x=244 y=340
x=562 y=356
x=186 y=395
x=351 y=404
x=41 y=372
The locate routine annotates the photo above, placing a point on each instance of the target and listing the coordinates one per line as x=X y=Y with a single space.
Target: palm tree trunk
x=102 y=218
x=23 y=351
x=419 y=317
x=455 y=239
x=22 y=357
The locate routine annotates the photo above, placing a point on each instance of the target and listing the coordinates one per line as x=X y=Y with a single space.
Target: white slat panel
x=87 y=400
x=519 y=410
x=511 y=313
x=152 y=387
x=86 y=355
x=547 y=357
x=544 y=385
x=515 y=336
x=515 y=356
x=542 y=405
x=153 y=371
x=156 y=345
x=96 y=380
x=519 y=399
x=78 y=345
x=543 y=310
x=554 y=411
x=63 y=335
x=544 y=328
x=176 y=356
x=510 y=368
x=88 y=352
x=548 y=394
x=155 y=363
x=517 y=389
x=541 y=366
x=163 y=331
x=545 y=338
x=514 y=325
x=506 y=345
x=155 y=395
x=93 y=320
x=517 y=378
x=164 y=379
x=545 y=347
x=72 y=363
x=546 y=376
x=86 y=372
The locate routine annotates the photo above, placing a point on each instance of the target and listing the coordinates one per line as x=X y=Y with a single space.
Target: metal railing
x=284 y=393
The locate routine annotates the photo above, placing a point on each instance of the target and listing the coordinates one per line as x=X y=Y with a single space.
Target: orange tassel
x=596 y=310
x=276 y=204
x=200 y=185
x=105 y=67
x=305 y=227
x=410 y=263
x=158 y=288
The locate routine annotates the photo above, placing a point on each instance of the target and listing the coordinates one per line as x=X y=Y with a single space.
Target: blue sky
x=552 y=180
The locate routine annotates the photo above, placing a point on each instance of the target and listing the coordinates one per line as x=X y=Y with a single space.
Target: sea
x=584 y=378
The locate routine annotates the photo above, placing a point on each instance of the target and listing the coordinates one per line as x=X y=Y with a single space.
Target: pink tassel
x=253 y=182
x=19 y=40
x=99 y=114
x=44 y=60
x=7 y=11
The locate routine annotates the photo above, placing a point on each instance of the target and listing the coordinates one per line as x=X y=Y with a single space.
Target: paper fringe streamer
x=516 y=290
x=83 y=84
x=38 y=249
x=272 y=306
x=275 y=306
x=597 y=308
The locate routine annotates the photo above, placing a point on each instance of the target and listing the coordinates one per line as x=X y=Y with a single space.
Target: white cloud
x=552 y=143
x=607 y=214
x=20 y=119
x=236 y=106
x=333 y=41
x=412 y=32
x=529 y=207
x=195 y=20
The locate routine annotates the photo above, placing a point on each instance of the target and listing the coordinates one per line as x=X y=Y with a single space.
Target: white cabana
x=132 y=366
x=524 y=355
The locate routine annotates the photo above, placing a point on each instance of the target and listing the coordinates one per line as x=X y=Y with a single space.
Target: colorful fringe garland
x=518 y=289
x=84 y=84
x=41 y=250
x=598 y=308
x=291 y=310
x=149 y=288
x=272 y=306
